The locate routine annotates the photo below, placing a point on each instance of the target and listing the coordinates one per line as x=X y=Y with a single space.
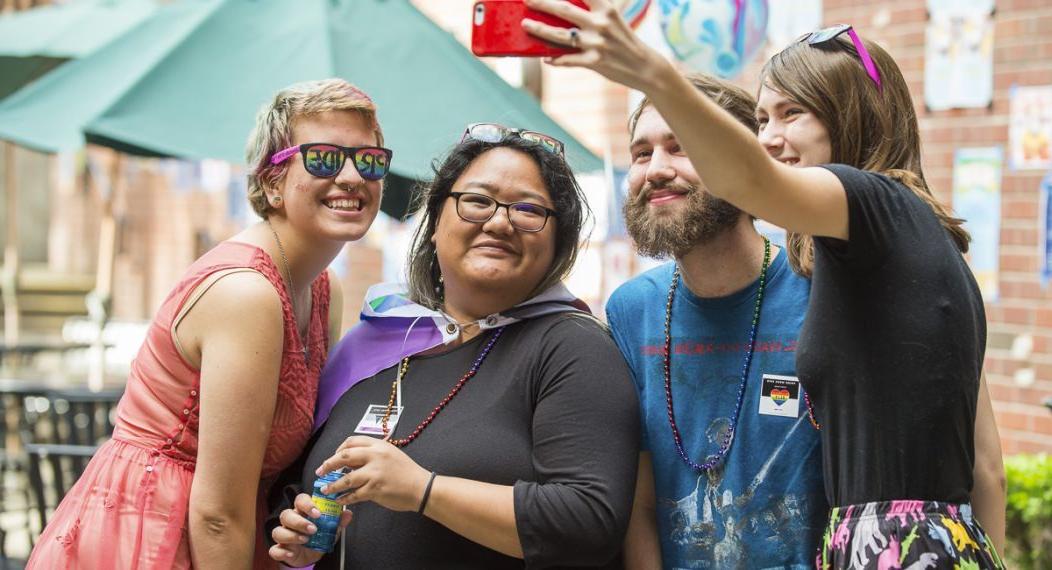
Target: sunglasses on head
x=326 y=160
x=829 y=34
x=494 y=133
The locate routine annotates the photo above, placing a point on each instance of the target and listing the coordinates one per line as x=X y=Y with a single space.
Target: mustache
x=648 y=189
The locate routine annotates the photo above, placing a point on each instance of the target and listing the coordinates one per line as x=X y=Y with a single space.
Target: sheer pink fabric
x=129 y=509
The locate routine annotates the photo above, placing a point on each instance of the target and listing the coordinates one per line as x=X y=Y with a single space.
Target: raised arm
x=731 y=162
x=237 y=328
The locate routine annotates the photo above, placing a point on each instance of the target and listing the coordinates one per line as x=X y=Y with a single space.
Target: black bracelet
x=427 y=493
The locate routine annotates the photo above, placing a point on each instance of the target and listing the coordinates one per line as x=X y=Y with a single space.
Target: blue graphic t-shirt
x=764 y=505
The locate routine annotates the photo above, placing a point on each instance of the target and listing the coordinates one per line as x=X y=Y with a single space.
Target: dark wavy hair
x=567 y=198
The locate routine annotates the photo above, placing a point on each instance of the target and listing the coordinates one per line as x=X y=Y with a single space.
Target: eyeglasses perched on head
x=828 y=34
x=494 y=133
x=480 y=208
x=326 y=160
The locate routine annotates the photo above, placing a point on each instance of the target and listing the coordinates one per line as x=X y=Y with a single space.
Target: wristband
x=427 y=493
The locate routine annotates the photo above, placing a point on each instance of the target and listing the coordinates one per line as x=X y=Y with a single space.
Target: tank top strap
x=225 y=257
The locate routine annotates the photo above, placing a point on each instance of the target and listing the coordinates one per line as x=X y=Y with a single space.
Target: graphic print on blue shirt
x=764 y=505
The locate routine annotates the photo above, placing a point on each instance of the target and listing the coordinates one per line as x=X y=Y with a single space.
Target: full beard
x=674 y=234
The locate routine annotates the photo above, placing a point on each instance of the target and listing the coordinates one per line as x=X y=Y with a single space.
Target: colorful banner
x=633 y=11
x=1030 y=127
x=977 y=199
x=959 y=54
x=714 y=36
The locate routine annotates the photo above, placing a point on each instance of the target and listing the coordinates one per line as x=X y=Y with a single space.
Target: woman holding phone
x=891 y=353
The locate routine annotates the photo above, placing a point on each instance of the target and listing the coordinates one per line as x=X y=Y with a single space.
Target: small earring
x=276 y=200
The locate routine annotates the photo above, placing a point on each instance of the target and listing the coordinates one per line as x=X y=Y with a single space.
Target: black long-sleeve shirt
x=551 y=411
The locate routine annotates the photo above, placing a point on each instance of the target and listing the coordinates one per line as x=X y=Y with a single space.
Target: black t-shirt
x=552 y=411
x=892 y=349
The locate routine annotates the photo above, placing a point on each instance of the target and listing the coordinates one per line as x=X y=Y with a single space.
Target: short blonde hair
x=273 y=129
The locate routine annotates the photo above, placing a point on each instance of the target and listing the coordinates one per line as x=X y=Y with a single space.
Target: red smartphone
x=497 y=30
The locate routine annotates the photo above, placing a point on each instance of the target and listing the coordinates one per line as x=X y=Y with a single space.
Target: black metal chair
x=13 y=460
x=61 y=432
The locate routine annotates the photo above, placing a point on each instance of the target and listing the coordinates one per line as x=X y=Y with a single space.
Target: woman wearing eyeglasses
x=486 y=419
x=891 y=353
x=221 y=396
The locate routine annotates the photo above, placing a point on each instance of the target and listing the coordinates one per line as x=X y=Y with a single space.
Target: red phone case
x=497 y=30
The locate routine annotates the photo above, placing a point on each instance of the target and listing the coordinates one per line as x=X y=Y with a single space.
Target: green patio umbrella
x=33 y=42
x=188 y=82
x=50 y=114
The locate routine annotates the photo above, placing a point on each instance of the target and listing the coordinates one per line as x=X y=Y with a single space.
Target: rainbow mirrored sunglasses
x=828 y=34
x=494 y=133
x=325 y=160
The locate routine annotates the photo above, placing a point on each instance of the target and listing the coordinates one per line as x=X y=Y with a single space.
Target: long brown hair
x=869 y=128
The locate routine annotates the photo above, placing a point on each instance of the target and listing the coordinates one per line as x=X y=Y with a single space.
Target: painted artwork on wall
x=959 y=54
x=1030 y=127
x=977 y=199
x=1045 y=230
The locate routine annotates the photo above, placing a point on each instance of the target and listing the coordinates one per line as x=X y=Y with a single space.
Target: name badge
x=373 y=421
x=780 y=396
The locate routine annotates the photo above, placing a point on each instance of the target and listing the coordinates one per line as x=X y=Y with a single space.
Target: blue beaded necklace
x=725 y=445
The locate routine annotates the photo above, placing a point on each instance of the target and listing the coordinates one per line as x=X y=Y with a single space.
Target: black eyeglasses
x=494 y=133
x=480 y=208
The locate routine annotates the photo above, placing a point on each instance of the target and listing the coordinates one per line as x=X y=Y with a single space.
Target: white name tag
x=373 y=421
x=780 y=396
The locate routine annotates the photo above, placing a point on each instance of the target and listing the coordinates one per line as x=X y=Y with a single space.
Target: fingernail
x=315 y=513
x=312 y=529
x=325 y=489
x=318 y=471
x=288 y=555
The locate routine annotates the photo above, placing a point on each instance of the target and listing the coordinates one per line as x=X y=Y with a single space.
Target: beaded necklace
x=441 y=404
x=810 y=411
x=725 y=446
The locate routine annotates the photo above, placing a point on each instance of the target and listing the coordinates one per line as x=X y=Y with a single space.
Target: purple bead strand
x=725 y=445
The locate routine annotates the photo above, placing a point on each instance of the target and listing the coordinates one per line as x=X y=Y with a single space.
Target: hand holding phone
x=497 y=30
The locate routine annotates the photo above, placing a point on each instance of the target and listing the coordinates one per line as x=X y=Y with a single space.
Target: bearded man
x=730 y=472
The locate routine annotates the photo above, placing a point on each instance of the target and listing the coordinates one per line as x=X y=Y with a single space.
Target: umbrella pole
x=100 y=300
x=10 y=272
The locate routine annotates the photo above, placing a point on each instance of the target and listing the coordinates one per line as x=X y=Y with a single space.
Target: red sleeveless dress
x=129 y=508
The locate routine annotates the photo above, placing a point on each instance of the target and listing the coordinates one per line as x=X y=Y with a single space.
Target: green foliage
x=1029 y=517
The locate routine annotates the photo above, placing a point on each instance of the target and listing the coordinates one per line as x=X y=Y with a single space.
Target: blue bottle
x=329 y=521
